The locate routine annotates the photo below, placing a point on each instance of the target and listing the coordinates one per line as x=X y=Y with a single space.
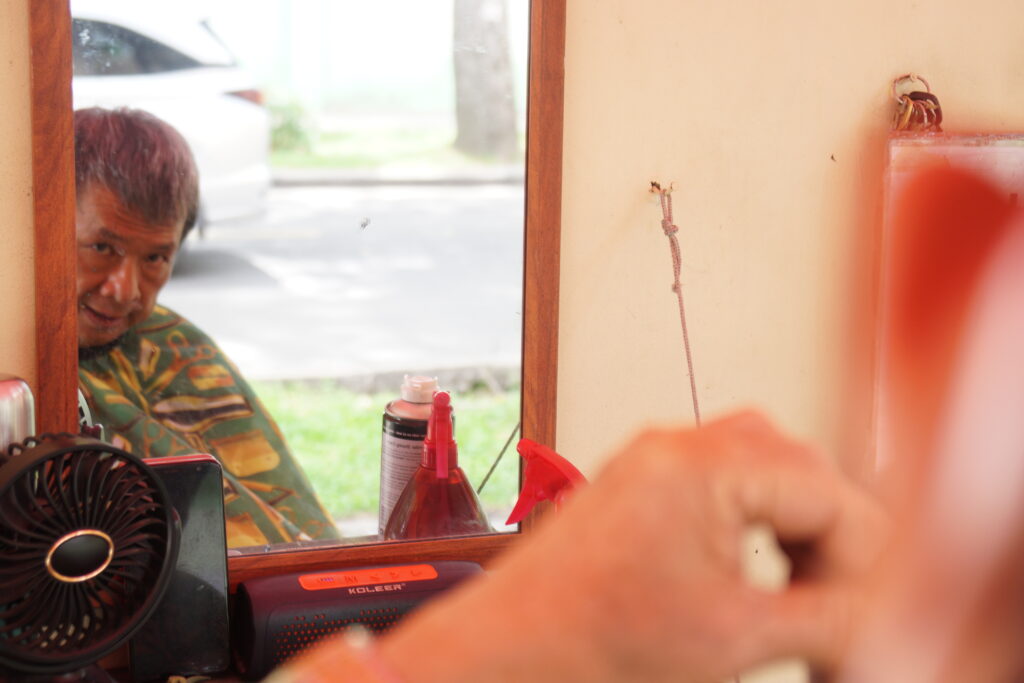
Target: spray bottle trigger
x=547 y=476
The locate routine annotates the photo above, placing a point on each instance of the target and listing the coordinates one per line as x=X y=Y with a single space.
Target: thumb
x=811 y=621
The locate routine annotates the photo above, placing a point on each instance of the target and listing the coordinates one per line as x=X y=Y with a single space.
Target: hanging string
x=916 y=110
x=670 y=228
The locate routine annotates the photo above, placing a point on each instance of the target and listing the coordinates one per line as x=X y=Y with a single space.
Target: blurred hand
x=640 y=576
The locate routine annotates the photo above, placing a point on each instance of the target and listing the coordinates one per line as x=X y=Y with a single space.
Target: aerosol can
x=401 y=448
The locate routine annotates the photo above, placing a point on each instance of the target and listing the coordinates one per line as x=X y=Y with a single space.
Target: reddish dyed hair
x=144 y=161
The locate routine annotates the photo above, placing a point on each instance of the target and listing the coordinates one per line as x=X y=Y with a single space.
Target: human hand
x=640 y=576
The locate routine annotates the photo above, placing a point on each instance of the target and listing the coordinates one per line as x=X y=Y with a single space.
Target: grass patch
x=372 y=147
x=378 y=148
x=335 y=434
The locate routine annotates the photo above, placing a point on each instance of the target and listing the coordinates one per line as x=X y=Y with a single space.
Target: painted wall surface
x=17 y=306
x=770 y=119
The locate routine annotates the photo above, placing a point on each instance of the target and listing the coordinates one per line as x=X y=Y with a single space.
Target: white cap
x=419 y=388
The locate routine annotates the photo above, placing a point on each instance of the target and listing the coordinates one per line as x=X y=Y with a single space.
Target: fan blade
x=29 y=517
x=136 y=497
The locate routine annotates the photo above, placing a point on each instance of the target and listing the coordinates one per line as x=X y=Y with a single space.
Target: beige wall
x=17 y=320
x=770 y=119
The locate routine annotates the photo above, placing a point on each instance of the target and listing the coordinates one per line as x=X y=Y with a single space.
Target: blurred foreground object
x=946 y=604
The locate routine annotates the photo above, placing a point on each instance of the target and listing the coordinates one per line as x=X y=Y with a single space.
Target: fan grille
x=52 y=495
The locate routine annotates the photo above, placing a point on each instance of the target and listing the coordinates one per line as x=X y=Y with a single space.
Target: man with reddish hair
x=157 y=384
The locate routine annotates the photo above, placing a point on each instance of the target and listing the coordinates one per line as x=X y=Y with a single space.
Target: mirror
x=54 y=209
x=388 y=244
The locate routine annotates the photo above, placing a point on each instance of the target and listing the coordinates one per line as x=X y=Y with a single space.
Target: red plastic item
x=438 y=500
x=547 y=476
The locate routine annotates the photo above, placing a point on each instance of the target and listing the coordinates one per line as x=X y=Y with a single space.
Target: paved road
x=357 y=282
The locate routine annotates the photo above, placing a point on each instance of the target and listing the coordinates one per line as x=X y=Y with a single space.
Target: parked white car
x=170 y=63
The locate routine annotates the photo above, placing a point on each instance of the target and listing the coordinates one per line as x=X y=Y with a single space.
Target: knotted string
x=671 y=229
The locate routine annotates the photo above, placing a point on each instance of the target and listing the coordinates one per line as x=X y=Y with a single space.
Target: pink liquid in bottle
x=438 y=501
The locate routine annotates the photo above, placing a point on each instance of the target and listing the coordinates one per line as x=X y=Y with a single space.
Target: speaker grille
x=304 y=631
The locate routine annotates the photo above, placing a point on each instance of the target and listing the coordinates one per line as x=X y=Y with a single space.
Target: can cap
x=418 y=388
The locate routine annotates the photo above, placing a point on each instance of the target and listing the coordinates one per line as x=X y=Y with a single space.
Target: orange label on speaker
x=367 y=577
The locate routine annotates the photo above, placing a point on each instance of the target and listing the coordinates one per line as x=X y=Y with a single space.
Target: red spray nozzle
x=547 y=476
x=440 y=434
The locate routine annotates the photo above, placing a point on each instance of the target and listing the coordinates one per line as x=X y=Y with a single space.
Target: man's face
x=123 y=262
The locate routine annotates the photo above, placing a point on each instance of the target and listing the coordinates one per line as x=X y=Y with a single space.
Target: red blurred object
x=547 y=476
x=950 y=205
x=944 y=603
x=438 y=501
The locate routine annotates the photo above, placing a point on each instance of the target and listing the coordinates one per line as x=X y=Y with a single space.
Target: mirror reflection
x=357 y=226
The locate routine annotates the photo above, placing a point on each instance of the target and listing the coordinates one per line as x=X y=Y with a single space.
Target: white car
x=170 y=63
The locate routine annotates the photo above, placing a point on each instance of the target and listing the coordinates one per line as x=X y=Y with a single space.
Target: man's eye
x=102 y=248
x=158 y=258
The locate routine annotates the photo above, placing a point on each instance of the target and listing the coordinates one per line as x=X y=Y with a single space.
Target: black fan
x=88 y=542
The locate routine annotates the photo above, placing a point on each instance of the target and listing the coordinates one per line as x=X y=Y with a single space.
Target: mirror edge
x=53 y=196
x=543 y=215
x=54 y=207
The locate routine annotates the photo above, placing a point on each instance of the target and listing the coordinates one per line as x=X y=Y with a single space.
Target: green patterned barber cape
x=167 y=389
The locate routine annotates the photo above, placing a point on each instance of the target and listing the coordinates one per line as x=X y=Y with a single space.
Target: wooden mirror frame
x=56 y=327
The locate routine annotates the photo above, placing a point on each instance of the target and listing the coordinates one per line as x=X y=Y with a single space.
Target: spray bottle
x=438 y=501
x=404 y=429
x=547 y=476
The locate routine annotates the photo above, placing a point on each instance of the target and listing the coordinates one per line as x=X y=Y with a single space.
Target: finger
x=782 y=484
x=752 y=435
x=751 y=430
x=742 y=421
x=833 y=526
x=858 y=535
x=813 y=622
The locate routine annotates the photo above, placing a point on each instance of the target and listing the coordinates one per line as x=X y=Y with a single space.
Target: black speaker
x=169 y=643
x=278 y=617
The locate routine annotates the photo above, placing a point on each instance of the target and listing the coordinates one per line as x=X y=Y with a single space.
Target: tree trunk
x=485 y=112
